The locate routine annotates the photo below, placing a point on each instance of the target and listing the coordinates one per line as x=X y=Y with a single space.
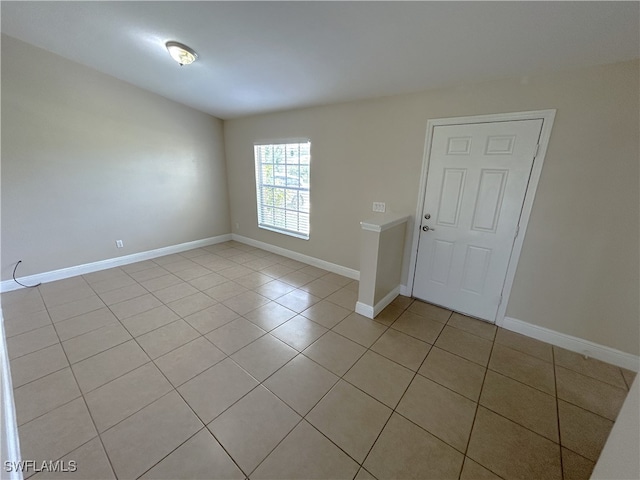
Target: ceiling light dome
x=181 y=53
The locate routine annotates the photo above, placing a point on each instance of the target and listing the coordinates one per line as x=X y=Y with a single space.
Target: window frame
x=260 y=184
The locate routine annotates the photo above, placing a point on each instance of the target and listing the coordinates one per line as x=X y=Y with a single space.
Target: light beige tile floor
x=232 y=362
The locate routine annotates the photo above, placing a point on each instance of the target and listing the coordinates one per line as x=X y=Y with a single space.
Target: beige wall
x=88 y=159
x=389 y=271
x=578 y=272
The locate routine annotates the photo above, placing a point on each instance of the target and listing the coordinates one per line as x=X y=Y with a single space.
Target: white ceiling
x=266 y=56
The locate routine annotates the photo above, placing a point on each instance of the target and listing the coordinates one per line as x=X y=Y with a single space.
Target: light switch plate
x=379 y=207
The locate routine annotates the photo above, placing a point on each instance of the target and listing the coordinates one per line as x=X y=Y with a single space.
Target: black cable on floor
x=22 y=284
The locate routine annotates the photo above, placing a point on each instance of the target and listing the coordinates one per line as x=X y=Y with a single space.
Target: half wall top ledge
x=384 y=222
x=381 y=258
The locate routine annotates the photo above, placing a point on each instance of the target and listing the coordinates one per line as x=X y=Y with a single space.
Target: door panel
x=477 y=179
x=441 y=261
x=489 y=200
x=451 y=197
x=474 y=272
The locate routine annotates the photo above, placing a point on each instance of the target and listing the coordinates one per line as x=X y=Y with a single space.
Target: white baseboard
x=575 y=344
x=316 y=262
x=372 y=311
x=9 y=440
x=405 y=291
x=8 y=285
x=364 y=310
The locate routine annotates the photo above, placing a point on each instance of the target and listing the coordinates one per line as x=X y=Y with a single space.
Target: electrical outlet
x=379 y=207
x=119 y=244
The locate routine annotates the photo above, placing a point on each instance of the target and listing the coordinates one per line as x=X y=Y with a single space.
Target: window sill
x=289 y=233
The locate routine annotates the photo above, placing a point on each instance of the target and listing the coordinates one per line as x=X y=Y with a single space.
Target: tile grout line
x=475 y=415
x=262 y=383
x=516 y=379
x=303 y=417
x=33 y=329
x=591 y=378
x=129 y=416
x=555 y=387
x=277 y=444
x=11 y=359
x=173 y=389
x=205 y=425
x=87 y=406
x=393 y=410
x=486 y=369
x=84 y=400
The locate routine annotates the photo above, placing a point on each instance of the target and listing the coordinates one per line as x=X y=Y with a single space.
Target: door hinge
x=535 y=153
x=500 y=300
x=517 y=231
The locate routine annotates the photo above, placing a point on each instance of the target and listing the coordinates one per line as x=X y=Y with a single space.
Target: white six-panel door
x=476 y=184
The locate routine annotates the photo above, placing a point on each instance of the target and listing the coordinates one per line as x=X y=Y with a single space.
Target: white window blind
x=282 y=187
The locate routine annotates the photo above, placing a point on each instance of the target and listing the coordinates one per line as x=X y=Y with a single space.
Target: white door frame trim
x=547 y=117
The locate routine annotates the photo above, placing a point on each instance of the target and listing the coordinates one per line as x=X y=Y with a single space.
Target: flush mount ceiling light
x=181 y=53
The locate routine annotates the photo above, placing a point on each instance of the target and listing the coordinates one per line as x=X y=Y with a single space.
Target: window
x=282 y=186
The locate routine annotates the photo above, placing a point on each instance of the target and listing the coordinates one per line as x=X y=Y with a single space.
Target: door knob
x=426 y=228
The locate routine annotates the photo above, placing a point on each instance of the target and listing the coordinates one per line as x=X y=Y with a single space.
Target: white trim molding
x=365 y=310
x=316 y=262
x=372 y=311
x=384 y=223
x=575 y=344
x=8 y=285
x=9 y=440
x=405 y=291
x=547 y=117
